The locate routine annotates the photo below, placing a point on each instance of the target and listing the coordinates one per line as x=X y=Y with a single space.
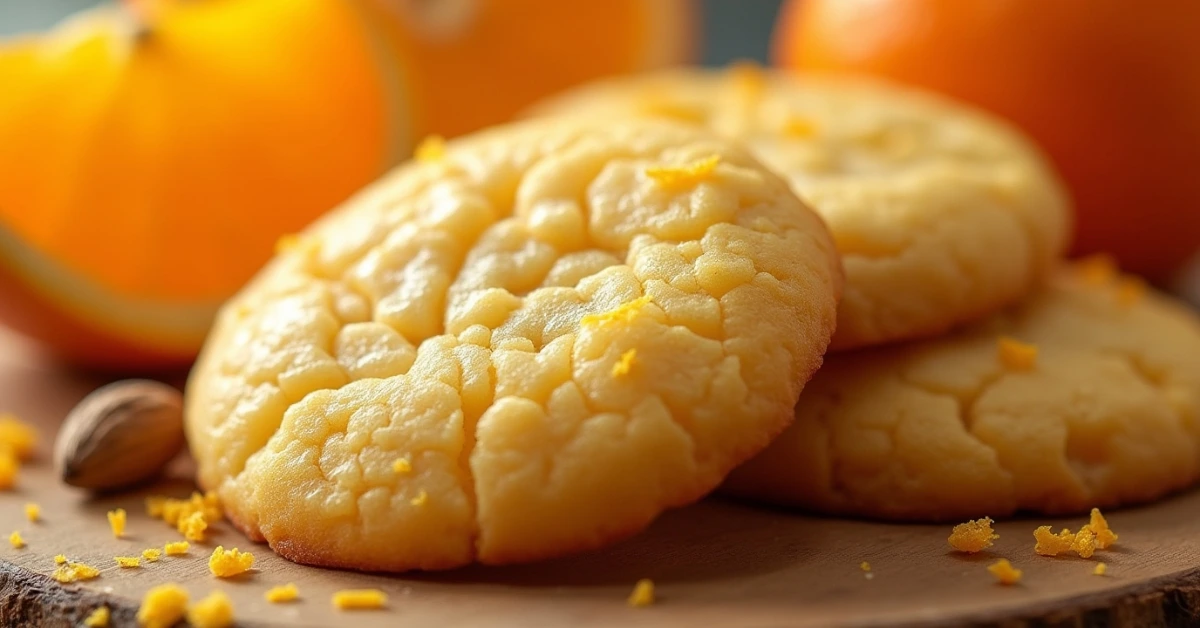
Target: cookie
x=1086 y=395
x=942 y=214
x=526 y=343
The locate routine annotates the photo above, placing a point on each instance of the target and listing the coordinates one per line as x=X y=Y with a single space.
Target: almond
x=120 y=435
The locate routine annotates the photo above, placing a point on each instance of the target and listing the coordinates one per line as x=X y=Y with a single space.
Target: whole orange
x=153 y=151
x=1109 y=88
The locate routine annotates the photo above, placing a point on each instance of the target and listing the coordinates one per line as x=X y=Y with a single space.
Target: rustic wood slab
x=715 y=564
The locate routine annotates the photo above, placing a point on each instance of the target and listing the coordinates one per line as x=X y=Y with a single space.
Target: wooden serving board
x=715 y=564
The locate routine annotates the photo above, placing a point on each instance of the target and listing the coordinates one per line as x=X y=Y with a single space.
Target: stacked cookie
x=990 y=377
x=531 y=341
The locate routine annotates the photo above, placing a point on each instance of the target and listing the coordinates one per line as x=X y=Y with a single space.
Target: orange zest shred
x=282 y=593
x=1016 y=355
x=625 y=363
x=622 y=313
x=151 y=554
x=163 y=606
x=228 y=563
x=432 y=148
x=643 y=593
x=1004 y=572
x=1051 y=544
x=402 y=465
x=686 y=175
x=60 y=559
x=193 y=526
x=214 y=611
x=973 y=536
x=98 y=618
x=177 y=548
x=351 y=599
x=128 y=562
x=116 y=521
x=73 y=572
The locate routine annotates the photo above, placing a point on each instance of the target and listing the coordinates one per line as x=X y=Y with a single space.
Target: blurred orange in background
x=1110 y=88
x=152 y=152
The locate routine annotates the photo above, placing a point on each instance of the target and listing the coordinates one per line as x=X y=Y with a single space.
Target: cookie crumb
x=33 y=512
x=1004 y=571
x=973 y=536
x=116 y=521
x=193 y=526
x=402 y=465
x=15 y=539
x=685 y=176
x=282 y=593
x=72 y=572
x=1100 y=569
x=1084 y=543
x=177 y=548
x=1098 y=526
x=625 y=364
x=350 y=599
x=214 y=611
x=228 y=563
x=128 y=562
x=1016 y=355
x=97 y=618
x=1051 y=544
x=643 y=593
x=163 y=606
x=431 y=149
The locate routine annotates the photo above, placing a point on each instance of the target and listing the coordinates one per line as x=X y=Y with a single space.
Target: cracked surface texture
x=527 y=346
x=942 y=215
x=941 y=430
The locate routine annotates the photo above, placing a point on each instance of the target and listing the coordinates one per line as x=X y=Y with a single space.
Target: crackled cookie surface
x=942 y=215
x=1088 y=395
x=526 y=343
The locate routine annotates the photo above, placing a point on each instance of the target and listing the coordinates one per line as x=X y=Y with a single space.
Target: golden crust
x=942 y=214
x=466 y=314
x=943 y=430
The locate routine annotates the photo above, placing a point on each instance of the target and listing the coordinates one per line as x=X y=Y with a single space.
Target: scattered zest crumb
x=1098 y=526
x=432 y=148
x=349 y=599
x=228 y=563
x=152 y=554
x=33 y=512
x=973 y=536
x=163 y=606
x=128 y=562
x=214 y=611
x=15 y=539
x=643 y=593
x=420 y=499
x=98 y=618
x=1016 y=355
x=282 y=593
x=625 y=364
x=1051 y=544
x=116 y=520
x=402 y=465
x=865 y=566
x=687 y=175
x=172 y=510
x=1084 y=543
x=1004 y=571
x=1100 y=569
x=60 y=559
x=193 y=526
x=72 y=572
x=178 y=548
x=623 y=313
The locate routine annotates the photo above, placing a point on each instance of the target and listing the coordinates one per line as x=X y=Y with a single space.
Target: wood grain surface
x=715 y=564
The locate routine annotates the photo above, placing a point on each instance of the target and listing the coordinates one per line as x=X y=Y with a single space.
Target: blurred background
x=154 y=152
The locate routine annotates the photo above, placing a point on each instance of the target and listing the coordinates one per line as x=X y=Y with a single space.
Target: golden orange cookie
x=529 y=342
x=1086 y=395
x=941 y=213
